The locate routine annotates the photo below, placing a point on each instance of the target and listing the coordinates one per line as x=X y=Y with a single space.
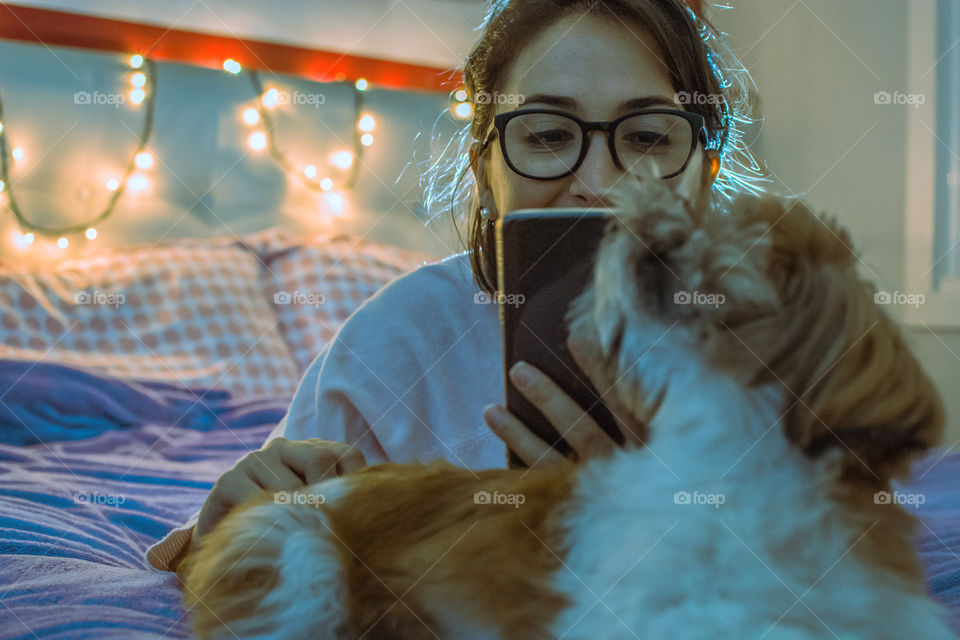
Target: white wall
x=817 y=65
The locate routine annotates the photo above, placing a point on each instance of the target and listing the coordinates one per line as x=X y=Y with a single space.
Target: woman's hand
x=283 y=465
x=576 y=426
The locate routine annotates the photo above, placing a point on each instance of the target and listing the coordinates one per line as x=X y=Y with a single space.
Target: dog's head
x=766 y=292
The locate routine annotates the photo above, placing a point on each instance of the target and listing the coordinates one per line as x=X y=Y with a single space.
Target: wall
x=817 y=65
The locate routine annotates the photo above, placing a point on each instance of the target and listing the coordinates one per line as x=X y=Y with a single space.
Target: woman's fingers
x=531 y=449
x=315 y=459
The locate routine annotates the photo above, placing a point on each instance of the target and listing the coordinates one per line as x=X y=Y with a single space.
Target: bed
x=108 y=441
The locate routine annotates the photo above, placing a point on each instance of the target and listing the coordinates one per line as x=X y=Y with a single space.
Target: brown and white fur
x=791 y=402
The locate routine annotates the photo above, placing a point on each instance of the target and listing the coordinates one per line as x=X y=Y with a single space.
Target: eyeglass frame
x=698 y=125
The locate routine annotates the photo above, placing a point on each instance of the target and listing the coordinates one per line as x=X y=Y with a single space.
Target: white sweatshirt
x=405 y=379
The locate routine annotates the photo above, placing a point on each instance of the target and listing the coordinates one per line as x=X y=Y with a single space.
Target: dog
x=779 y=402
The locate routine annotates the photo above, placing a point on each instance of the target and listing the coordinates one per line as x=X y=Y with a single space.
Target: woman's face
x=591 y=67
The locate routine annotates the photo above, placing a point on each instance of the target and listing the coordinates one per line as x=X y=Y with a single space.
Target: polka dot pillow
x=316 y=282
x=192 y=313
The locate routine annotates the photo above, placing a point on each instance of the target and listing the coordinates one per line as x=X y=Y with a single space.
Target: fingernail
x=494 y=413
x=521 y=374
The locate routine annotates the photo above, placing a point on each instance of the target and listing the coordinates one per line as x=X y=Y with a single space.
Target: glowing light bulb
x=366 y=139
x=138 y=79
x=28 y=238
x=335 y=201
x=366 y=123
x=460 y=95
x=137 y=95
x=270 y=98
x=17 y=153
x=310 y=171
x=113 y=184
x=1 y=127
x=326 y=184
x=91 y=233
x=144 y=160
x=361 y=84
x=2 y=186
x=136 y=61
x=257 y=141
x=63 y=243
x=231 y=66
x=251 y=116
x=138 y=182
x=342 y=159
x=463 y=110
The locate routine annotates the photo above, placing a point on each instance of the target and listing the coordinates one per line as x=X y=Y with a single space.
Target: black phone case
x=547 y=257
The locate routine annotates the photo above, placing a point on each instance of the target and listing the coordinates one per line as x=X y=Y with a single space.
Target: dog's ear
x=852 y=382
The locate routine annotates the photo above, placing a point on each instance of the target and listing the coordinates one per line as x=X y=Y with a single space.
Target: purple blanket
x=93 y=470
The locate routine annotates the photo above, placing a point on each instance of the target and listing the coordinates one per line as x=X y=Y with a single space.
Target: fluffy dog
x=779 y=400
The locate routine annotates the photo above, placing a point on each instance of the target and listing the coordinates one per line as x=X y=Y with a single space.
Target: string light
x=232 y=66
x=460 y=95
x=144 y=160
x=463 y=110
x=251 y=116
x=270 y=98
x=116 y=187
x=342 y=159
x=257 y=141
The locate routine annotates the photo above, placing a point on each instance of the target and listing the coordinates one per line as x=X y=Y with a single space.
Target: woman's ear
x=478 y=163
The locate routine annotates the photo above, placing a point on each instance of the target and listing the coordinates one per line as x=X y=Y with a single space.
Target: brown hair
x=698 y=62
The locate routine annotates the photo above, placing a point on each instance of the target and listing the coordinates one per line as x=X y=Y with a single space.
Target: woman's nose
x=597 y=174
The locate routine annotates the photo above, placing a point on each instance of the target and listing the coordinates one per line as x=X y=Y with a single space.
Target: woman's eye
x=647 y=139
x=551 y=138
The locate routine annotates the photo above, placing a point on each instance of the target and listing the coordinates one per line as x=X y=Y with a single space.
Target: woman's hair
x=700 y=64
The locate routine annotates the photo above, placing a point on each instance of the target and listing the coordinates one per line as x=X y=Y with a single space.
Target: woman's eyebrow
x=566 y=102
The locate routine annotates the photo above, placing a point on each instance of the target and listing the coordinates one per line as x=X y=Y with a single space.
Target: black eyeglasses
x=546 y=144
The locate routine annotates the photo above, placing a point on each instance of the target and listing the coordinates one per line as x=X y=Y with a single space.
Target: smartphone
x=545 y=259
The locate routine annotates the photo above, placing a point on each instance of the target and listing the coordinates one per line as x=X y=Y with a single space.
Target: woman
x=409 y=374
